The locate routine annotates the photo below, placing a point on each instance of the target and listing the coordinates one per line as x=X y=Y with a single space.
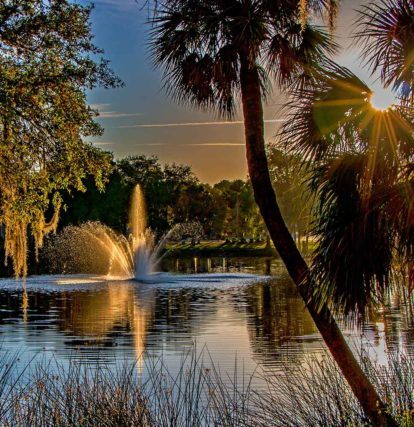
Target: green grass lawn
x=219 y=248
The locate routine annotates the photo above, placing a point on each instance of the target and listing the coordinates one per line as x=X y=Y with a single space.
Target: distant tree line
x=174 y=195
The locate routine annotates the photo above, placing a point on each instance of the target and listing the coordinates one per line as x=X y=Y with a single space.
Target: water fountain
x=145 y=254
x=138 y=255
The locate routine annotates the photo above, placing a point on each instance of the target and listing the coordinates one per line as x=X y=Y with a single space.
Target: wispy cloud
x=116 y=114
x=103 y=143
x=104 y=113
x=118 y=4
x=215 y=144
x=99 y=106
x=192 y=144
x=166 y=125
x=151 y=144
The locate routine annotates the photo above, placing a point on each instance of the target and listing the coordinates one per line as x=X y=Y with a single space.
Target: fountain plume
x=142 y=240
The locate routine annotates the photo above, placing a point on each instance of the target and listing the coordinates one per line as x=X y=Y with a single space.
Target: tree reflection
x=276 y=317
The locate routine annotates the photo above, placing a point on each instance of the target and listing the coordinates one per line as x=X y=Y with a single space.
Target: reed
x=199 y=394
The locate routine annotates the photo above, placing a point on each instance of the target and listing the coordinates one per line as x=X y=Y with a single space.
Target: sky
x=139 y=118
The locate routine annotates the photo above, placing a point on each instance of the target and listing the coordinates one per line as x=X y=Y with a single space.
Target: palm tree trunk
x=265 y=197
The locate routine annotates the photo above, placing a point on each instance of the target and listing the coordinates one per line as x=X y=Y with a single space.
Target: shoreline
x=219 y=249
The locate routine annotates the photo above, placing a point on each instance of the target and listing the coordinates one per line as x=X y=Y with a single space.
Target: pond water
x=233 y=307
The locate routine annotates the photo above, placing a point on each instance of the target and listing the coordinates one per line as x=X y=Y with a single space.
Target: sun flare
x=382 y=100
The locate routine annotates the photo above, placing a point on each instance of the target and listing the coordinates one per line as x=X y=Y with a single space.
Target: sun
x=382 y=100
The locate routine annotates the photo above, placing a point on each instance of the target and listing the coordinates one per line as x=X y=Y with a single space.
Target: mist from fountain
x=95 y=248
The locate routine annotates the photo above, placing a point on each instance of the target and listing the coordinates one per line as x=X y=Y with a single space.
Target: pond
x=232 y=307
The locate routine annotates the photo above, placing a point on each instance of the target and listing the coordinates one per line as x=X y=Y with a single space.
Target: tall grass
x=312 y=394
x=316 y=394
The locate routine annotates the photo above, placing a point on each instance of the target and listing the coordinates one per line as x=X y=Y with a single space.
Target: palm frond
x=321 y=119
x=352 y=263
x=386 y=33
x=198 y=45
x=297 y=54
x=199 y=68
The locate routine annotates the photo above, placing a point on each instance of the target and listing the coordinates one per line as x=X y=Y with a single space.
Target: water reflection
x=97 y=319
x=265 y=322
x=257 y=265
x=278 y=322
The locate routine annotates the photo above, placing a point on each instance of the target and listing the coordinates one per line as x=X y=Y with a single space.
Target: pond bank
x=219 y=249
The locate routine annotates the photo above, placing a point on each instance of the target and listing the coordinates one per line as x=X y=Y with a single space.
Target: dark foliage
x=386 y=33
x=362 y=174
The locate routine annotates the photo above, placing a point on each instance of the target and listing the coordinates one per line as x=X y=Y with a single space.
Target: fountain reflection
x=92 y=323
x=102 y=318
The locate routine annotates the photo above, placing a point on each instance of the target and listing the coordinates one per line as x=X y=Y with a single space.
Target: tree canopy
x=200 y=46
x=290 y=179
x=213 y=52
x=47 y=62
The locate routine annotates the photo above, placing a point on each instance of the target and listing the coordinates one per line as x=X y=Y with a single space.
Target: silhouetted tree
x=386 y=32
x=360 y=159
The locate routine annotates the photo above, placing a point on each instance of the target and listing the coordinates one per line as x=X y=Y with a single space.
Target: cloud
x=116 y=114
x=191 y=144
x=151 y=144
x=215 y=144
x=166 y=125
x=99 y=106
x=105 y=114
x=122 y=5
x=103 y=142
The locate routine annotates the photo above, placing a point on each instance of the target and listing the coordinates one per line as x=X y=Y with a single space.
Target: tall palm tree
x=214 y=52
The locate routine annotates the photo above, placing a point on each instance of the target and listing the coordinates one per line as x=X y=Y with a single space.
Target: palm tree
x=214 y=52
x=362 y=172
